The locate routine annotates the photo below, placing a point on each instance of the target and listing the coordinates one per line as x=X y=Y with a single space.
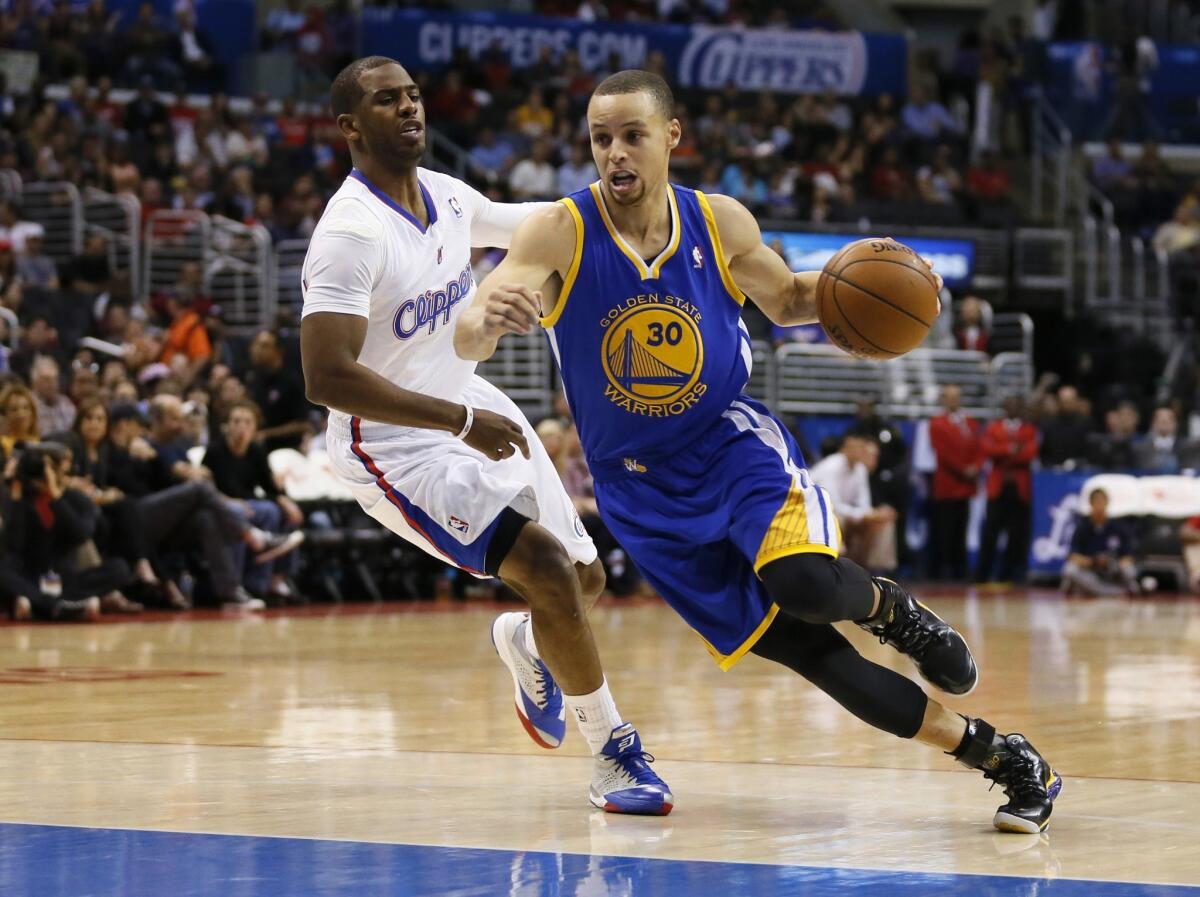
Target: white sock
x=529 y=645
x=596 y=714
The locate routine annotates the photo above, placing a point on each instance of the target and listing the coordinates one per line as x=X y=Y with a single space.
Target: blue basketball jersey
x=651 y=352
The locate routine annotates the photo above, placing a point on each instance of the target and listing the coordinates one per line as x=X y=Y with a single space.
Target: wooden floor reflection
x=397 y=726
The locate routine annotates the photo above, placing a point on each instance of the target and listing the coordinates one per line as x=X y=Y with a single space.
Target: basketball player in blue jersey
x=639 y=284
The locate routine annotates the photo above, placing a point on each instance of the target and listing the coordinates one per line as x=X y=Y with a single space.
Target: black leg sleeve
x=876 y=695
x=819 y=589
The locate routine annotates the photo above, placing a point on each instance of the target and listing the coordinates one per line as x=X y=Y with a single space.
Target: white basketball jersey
x=368 y=256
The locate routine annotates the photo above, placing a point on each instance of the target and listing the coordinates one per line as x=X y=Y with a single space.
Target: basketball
x=876 y=299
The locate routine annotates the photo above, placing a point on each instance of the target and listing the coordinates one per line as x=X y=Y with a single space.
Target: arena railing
x=1012 y=332
x=287 y=261
x=119 y=218
x=10 y=184
x=56 y=206
x=238 y=274
x=1044 y=259
x=1050 y=163
x=522 y=368
x=824 y=380
x=170 y=239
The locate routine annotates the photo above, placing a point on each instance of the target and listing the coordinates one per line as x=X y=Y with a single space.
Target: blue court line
x=54 y=861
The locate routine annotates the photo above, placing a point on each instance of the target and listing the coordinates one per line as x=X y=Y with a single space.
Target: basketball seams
x=920 y=269
x=846 y=318
x=904 y=311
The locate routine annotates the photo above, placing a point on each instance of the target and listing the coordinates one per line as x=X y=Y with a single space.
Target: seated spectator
x=1181 y=233
x=49 y=530
x=492 y=156
x=240 y=471
x=184 y=516
x=973 y=330
x=868 y=531
x=890 y=181
x=534 y=178
x=38 y=338
x=927 y=119
x=12 y=292
x=14 y=229
x=939 y=183
x=1114 y=448
x=989 y=181
x=55 y=412
x=186 y=348
x=533 y=117
x=1065 y=434
x=19 y=409
x=278 y=391
x=1101 y=560
x=1162 y=450
x=90 y=273
x=1111 y=170
x=577 y=172
x=36 y=269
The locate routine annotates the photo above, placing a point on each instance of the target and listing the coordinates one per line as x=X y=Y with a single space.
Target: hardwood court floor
x=395 y=725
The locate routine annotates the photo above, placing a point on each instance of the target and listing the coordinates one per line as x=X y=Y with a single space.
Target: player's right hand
x=496 y=436
x=511 y=308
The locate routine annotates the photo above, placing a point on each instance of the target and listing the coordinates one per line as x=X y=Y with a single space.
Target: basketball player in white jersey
x=431 y=450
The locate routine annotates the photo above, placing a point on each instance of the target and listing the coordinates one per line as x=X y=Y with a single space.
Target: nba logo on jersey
x=454 y=206
x=697 y=257
x=458 y=523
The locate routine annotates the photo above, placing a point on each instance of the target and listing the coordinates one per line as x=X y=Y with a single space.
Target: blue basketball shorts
x=701 y=522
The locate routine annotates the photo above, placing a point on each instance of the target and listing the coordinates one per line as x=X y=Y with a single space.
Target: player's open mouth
x=412 y=129
x=621 y=181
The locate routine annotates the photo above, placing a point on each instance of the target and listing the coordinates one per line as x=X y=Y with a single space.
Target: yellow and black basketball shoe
x=940 y=653
x=1029 y=782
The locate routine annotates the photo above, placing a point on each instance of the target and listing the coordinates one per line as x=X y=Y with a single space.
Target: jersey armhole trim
x=572 y=272
x=714 y=237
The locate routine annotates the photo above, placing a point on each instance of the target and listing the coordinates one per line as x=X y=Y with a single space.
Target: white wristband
x=467 y=426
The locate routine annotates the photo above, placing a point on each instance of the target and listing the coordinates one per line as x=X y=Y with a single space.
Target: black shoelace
x=1019 y=777
x=910 y=633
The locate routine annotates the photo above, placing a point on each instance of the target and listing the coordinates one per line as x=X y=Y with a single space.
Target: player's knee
x=540 y=568
x=807 y=586
x=592 y=581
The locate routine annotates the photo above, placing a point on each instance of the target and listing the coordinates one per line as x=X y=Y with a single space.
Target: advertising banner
x=709 y=57
x=953 y=259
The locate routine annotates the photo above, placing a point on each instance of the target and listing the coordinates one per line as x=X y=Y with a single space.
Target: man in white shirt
x=868 y=531
x=535 y=177
x=431 y=450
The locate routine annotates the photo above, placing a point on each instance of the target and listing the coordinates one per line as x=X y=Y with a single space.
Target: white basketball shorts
x=445 y=497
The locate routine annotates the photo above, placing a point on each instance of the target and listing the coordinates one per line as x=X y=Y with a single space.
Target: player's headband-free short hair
x=638 y=81
x=346 y=93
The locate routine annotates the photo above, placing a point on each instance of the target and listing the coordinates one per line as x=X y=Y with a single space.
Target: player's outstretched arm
x=514 y=296
x=787 y=298
x=329 y=347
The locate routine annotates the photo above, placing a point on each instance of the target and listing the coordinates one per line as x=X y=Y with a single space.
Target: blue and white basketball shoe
x=539 y=700
x=622 y=780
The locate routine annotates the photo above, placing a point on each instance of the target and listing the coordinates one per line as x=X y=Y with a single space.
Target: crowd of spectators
x=106 y=392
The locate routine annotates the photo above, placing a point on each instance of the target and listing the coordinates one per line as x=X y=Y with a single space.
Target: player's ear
x=674 y=132
x=348 y=126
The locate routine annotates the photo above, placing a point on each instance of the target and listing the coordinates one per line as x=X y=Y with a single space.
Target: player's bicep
x=536 y=253
x=758 y=270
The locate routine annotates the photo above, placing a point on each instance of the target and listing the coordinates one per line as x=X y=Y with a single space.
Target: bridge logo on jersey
x=652 y=356
x=433 y=307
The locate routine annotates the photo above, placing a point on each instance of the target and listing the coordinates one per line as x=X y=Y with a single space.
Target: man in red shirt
x=1011 y=444
x=955 y=440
